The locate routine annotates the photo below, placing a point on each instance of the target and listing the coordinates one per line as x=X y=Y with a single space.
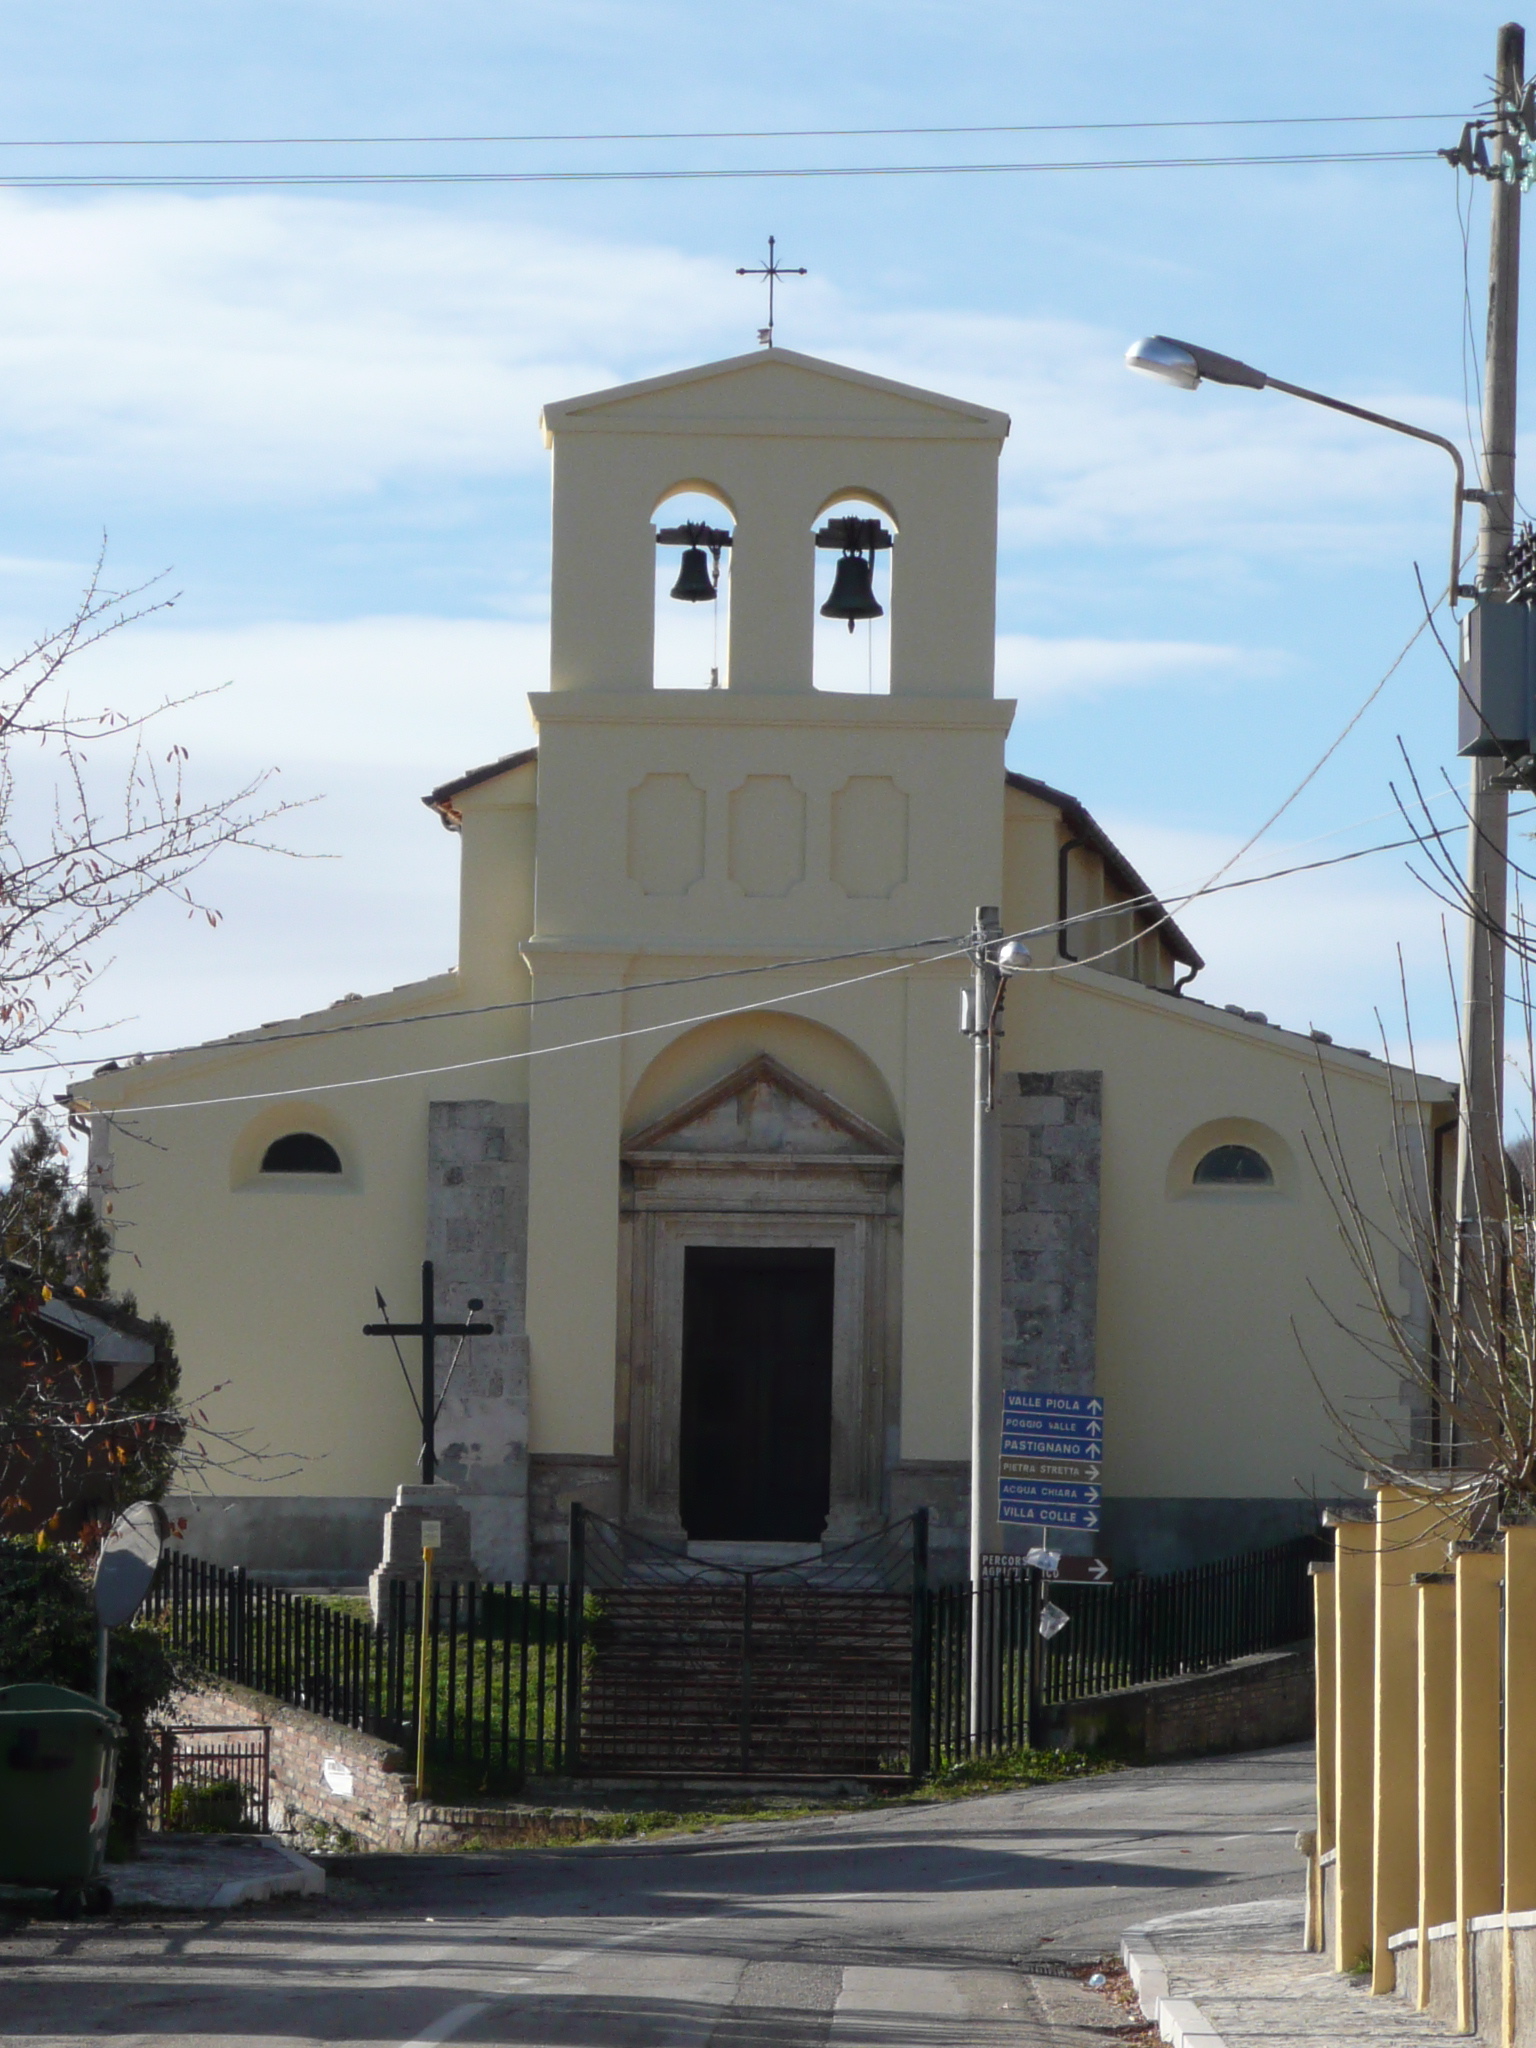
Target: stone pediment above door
x=763 y=1111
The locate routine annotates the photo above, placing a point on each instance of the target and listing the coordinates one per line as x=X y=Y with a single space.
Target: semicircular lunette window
x=1234 y=1166
x=300 y=1152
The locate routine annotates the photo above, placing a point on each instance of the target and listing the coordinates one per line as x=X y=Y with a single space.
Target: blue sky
x=318 y=409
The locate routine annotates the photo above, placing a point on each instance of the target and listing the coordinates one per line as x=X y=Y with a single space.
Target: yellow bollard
x=1411 y=1535
x=1354 y=1624
x=1324 y=1638
x=1479 y=1570
x=424 y=1674
x=1437 y=1762
x=1519 y=1744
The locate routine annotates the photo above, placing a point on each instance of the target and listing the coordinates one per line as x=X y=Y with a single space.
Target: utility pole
x=1480 y=1192
x=994 y=961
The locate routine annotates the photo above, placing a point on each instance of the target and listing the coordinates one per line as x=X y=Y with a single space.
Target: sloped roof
x=441 y=798
x=1082 y=824
x=777 y=385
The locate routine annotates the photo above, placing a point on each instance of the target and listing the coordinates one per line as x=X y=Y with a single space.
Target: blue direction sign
x=1051 y=1454
x=1086 y=1407
x=1051 y=1489
x=1046 y=1515
x=1078 y=1450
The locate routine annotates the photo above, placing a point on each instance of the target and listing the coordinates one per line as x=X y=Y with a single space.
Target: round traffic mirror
x=126 y=1566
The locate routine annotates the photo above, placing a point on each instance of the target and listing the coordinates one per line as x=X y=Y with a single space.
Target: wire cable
x=82 y=1106
x=278 y=180
x=955 y=952
x=695 y=134
x=580 y=995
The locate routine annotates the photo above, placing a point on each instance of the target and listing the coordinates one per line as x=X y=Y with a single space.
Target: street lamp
x=1184 y=364
x=994 y=961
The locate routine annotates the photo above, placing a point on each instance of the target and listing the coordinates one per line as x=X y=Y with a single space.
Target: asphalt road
x=885 y=1930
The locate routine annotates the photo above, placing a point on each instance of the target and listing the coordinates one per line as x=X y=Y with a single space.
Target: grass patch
x=1018 y=1768
x=1014 y=1772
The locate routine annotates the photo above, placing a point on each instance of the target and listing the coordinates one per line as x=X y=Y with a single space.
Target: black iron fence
x=1114 y=1636
x=495 y=1691
x=529 y=1679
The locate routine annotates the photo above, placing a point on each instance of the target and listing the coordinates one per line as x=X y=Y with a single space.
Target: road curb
x=1178 y=2020
x=301 y=1880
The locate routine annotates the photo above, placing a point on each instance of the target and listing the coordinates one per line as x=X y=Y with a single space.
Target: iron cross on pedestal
x=772 y=271
x=429 y=1329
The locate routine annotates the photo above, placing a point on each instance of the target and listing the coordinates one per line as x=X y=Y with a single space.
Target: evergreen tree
x=73 y=1449
x=47 y=1223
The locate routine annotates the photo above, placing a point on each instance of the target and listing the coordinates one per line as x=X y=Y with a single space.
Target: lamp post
x=1480 y=1184
x=993 y=960
x=1184 y=364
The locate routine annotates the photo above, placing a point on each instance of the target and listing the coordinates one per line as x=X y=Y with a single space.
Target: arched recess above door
x=830 y=1063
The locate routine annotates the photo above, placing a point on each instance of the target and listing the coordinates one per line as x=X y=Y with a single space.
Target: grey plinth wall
x=1052 y=1146
x=477 y=1238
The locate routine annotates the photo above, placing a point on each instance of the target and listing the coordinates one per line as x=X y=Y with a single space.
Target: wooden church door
x=756 y=1393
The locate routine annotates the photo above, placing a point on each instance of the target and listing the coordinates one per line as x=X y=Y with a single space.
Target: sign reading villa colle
x=1053 y=1448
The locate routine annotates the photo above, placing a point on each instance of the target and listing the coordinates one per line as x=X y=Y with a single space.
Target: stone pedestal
x=452 y=1559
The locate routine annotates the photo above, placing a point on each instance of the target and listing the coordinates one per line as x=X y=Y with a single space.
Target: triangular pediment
x=774 y=390
x=764 y=1109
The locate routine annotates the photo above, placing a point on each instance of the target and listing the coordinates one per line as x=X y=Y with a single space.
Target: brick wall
x=376 y=1810
x=1250 y=1704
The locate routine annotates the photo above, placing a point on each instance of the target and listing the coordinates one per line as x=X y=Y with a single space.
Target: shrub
x=49 y=1638
x=217 y=1808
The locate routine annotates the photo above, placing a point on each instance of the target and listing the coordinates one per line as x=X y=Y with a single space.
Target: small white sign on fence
x=338 y=1776
x=431 y=1535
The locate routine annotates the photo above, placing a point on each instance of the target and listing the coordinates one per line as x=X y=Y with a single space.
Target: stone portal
x=760 y=1320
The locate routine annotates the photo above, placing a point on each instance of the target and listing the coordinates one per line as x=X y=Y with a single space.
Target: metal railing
x=511 y=1670
x=208 y=1760
x=1127 y=1633
x=498 y=1667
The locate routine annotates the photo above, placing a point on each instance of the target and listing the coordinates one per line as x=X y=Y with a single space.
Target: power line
x=580 y=995
x=695 y=134
x=501 y=1059
x=1130 y=904
x=279 y=180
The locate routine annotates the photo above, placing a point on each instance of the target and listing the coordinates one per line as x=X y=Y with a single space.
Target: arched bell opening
x=694 y=529
x=851 y=644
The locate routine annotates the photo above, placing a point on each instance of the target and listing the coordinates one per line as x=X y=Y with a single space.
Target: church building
x=692 y=1119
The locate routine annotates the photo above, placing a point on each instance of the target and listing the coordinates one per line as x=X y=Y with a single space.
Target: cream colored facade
x=561 y=1120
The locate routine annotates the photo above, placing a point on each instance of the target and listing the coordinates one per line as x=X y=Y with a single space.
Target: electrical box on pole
x=1497 y=714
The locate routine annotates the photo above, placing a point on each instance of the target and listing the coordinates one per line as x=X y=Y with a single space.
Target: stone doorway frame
x=839 y=1188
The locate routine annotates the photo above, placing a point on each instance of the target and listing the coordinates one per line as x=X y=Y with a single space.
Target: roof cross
x=772 y=270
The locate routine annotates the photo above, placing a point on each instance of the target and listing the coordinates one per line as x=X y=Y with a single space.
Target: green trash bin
x=58 y=1759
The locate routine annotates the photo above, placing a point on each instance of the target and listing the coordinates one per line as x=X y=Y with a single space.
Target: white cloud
x=1038 y=671
x=431 y=695
x=260 y=348
x=1311 y=950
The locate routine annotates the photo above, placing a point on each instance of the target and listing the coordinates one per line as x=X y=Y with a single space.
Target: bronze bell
x=853 y=592
x=694 y=583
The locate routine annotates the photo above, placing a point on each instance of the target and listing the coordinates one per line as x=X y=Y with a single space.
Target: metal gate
x=808 y=1669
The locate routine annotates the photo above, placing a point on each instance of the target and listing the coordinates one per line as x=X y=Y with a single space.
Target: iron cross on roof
x=772 y=270
x=429 y=1329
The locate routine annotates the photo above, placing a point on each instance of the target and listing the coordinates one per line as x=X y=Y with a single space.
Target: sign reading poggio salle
x=1052 y=1453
